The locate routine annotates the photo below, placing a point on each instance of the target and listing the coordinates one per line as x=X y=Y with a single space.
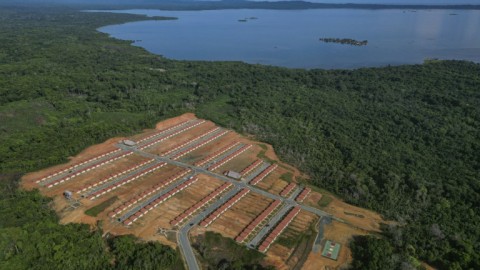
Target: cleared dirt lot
x=339 y=233
x=358 y=217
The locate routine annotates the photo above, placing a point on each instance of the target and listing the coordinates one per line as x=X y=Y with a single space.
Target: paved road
x=257 y=171
x=184 y=242
x=320 y=228
x=183 y=232
x=235 y=182
x=269 y=226
x=275 y=219
x=155 y=196
x=295 y=193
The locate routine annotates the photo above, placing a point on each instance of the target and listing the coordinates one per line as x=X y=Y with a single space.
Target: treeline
x=403 y=141
x=32 y=238
x=237 y=4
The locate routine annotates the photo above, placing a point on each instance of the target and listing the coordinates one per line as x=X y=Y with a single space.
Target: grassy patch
x=287 y=177
x=94 y=211
x=217 y=250
x=289 y=242
x=285 y=167
x=262 y=154
x=325 y=201
x=353 y=214
x=264 y=157
x=302 y=247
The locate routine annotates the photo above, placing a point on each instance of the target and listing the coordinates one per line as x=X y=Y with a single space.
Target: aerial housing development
x=188 y=177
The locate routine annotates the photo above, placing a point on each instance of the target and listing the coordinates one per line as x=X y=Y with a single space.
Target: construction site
x=188 y=176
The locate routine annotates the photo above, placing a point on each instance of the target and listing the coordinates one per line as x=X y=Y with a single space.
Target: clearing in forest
x=155 y=183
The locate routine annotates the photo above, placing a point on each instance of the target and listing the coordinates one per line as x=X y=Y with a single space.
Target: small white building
x=129 y=143
x=233 y=174
x=68 y=194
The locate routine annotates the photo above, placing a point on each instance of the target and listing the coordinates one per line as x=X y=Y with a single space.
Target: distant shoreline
x=172 y=5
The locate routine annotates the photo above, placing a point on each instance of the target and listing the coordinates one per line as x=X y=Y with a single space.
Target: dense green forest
x=404 y=141
x=221 y=253
x=32 y=238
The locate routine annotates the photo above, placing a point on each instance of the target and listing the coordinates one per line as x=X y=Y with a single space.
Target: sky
x=418 y=2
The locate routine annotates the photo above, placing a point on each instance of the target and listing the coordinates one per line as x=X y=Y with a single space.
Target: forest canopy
x=402 y=140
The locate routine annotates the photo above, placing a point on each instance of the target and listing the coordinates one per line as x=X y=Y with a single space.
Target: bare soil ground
x=180 y=139
x=272 y=183
x=358 y=217
x=165 y=124
x=28 y=180
x=210 y=148
x=235 y=219
x=283 y=254
x=96 y=175
x=161 y=216
x=339 y=233
x=240 y=162
x=174 y=121
x=292 y=235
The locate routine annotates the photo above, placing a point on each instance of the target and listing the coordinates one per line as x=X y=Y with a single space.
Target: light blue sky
x=442 y=2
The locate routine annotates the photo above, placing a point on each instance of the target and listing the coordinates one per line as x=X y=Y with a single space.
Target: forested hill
x=400 y=140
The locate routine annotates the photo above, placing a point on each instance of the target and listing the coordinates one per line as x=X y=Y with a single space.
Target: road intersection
x=183 y=240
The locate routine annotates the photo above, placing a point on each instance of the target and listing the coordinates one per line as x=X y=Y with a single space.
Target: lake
x=290 y=38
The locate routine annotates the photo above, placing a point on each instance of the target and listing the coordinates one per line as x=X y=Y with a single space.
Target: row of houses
x=303 y=194
x=216 y=154
x=163 y=138
x=110 y=178
x=229 y=157
x=278 y=229
x=224 y=207
x=160 y=132
x=263 y=174
x=178 y=147
x=144 y=210
x=147 y=193
x=89 y=168
x=288 y=189
x=251 y=167
x=194 y=208
x=115 y=185
x=73 y=167
x=195 y=147
x=260 y=219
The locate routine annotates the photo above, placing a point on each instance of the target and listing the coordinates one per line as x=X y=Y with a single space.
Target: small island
x=347 y=41
x=247 y=19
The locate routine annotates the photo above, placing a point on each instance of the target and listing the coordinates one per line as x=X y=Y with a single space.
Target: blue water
x=290 y=38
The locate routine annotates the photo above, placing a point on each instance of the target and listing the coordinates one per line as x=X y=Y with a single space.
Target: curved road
x=183 y=241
